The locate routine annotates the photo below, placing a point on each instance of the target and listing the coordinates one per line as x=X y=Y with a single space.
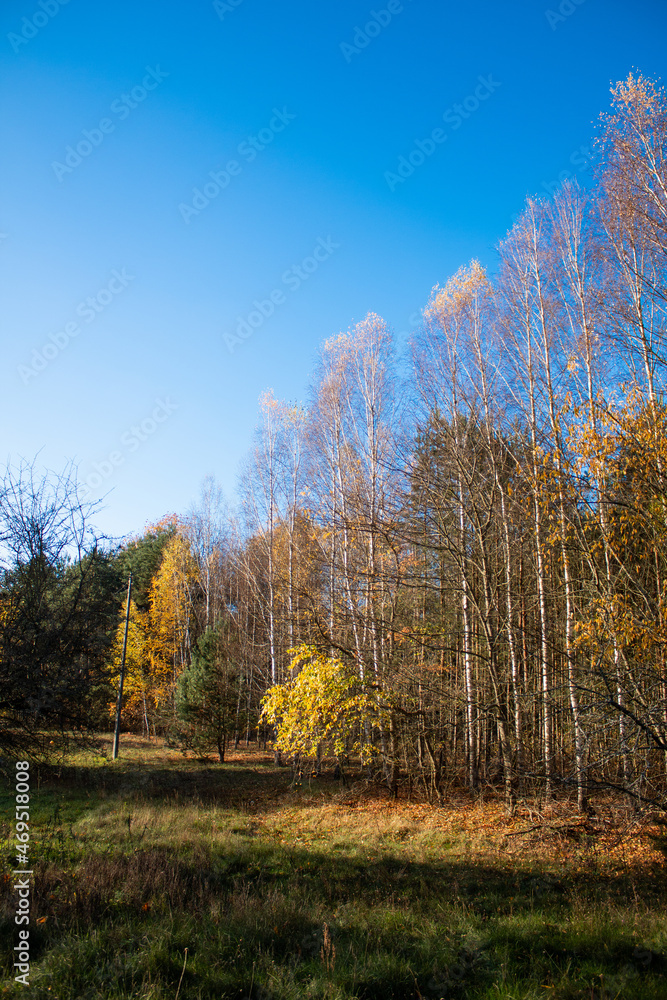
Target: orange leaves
x=135 y=659
x=170 y=610
x=400 y=637
x=638 y=111
x=459 y=292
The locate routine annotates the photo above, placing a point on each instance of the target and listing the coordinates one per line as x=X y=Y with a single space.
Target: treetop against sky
x=198 y=195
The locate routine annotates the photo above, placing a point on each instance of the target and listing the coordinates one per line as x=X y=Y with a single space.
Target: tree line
x=443 y=569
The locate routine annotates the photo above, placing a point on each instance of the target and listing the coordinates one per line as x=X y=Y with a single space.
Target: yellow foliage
x=324 y=702
x=169 y=617
x=136 y=681
x=461 y=289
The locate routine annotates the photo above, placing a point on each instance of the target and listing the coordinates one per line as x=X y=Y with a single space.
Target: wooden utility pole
x=116 y=735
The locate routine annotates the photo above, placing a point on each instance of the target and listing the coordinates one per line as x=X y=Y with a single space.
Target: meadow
x=161 y=878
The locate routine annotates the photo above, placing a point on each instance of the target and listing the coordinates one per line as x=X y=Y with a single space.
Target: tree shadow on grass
x=233 y=785
x=287 y=918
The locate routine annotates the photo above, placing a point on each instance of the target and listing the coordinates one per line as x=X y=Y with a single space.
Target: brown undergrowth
x=283 y=891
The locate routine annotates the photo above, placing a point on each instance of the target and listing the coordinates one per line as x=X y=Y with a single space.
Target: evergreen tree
x=206 y=696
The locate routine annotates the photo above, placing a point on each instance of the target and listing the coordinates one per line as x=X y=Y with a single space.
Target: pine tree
x=206 y=696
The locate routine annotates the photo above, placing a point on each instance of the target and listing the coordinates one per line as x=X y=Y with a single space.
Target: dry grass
x=323 y=892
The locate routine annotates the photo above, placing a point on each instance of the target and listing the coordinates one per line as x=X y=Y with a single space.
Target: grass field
x=156 y=877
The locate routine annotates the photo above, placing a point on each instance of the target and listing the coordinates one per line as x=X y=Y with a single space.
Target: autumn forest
x=447 y=568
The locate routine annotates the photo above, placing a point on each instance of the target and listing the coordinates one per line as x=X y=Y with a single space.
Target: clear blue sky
x=304 y=120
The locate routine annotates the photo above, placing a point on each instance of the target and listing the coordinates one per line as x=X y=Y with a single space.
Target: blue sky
x=128 y=269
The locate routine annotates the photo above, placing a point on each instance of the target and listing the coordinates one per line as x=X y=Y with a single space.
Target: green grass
x=321 y=893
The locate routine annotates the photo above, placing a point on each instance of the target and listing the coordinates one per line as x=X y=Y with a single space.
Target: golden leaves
x=459 y=292
x=322 y=702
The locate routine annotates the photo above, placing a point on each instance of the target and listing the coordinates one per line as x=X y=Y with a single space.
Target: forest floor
x=157 y=877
